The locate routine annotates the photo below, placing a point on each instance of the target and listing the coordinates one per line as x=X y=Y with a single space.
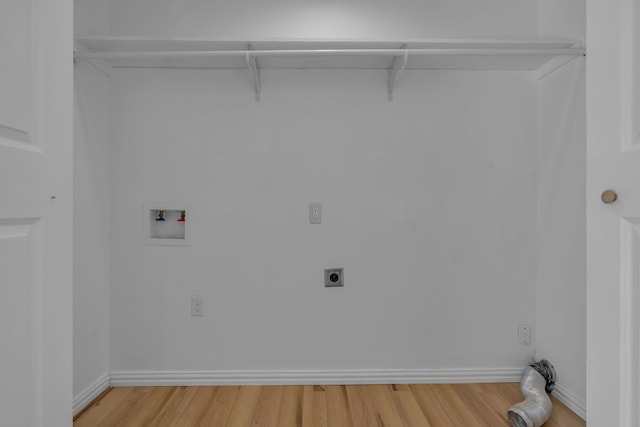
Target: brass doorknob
x=608 y=196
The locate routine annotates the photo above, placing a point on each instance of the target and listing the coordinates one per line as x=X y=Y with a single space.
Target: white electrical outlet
x=197 y=308
x=524 y=334
x=315 y=213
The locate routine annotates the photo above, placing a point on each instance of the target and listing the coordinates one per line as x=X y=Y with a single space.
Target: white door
x=35 y=229
x=613 y=230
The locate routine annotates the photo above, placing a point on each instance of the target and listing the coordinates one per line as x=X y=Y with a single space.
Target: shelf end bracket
x=254 y=67
x=392 y=71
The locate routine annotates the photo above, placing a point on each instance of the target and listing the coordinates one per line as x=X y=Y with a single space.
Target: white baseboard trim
x=378 y=376
x=88 y=394
x=571 y=401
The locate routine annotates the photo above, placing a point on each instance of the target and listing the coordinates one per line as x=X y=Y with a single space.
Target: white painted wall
x=92 y=212
x=91 y=17
x=357 y=19
x=561 y=283
x=429 y=201
x=429 y=204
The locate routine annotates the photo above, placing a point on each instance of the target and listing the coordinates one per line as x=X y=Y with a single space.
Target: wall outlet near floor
x=315 y=213
x=524 y=334
x=197 y=308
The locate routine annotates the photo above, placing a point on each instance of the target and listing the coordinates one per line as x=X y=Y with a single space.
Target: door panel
x=613 y=230
x=630 y=75
x=15 y=72
x=626 y=165
x=629 y=320
x=18 y=303
x=36 y=107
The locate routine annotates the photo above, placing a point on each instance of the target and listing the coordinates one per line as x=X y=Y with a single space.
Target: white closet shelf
x=255 y=55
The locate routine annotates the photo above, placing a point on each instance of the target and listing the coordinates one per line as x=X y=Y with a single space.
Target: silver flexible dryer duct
x=538 y=379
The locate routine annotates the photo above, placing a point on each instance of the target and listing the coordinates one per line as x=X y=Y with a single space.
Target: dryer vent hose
x=538 y=379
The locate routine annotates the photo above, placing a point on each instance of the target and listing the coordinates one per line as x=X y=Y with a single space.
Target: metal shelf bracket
x=254 y=67
x=392 y=71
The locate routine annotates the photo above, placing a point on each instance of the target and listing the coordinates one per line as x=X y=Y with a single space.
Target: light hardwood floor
x=433 y=405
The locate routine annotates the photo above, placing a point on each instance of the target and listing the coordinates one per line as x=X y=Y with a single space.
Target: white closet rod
x=330 y=52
